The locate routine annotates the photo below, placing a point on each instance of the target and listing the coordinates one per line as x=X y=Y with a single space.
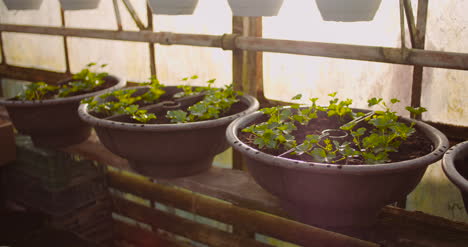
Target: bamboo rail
x=439 y=59
x=250 y=220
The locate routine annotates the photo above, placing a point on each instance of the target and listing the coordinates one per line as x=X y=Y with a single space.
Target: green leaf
x=416 y=111
x=177 y=116
x=394 y=100
x=374 y=101
x=297 y=97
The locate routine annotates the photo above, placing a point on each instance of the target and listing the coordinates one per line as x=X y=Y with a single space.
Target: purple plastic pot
x=345 y=199
x=167 y=150
x=455 y=166
x=54 y=122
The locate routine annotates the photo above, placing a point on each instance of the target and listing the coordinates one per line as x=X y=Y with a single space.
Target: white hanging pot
x=22 y=4
x=348 y=10
x=173 y=7
x=255 y=7
x=79 y=4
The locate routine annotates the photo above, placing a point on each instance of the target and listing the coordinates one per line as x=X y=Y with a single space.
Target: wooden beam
x=439 y=59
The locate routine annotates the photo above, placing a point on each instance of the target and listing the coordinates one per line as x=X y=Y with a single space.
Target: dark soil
x=415 y=146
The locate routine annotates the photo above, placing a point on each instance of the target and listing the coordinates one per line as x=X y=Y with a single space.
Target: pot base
x=171 y=170
x=63 y=140
x=351 y=222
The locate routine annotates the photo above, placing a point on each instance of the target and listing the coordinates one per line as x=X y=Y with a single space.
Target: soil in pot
x=416 y=145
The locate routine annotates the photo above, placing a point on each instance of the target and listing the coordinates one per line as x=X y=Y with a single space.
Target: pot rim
x=251 y=101
x=448 y=165
x=439 y=140
x=38 y=103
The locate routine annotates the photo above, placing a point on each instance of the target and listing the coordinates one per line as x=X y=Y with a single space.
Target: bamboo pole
x=440 y=59
x=416 y=88
x=65 y=43
x=180 y=226
x=237 y=64
x=411 y=22
x=253 y=221
x=118 y=17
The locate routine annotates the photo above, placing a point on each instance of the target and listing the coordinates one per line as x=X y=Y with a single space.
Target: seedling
x=124 y=101
x=82 y=82
x=372 y=145
x=216 y=101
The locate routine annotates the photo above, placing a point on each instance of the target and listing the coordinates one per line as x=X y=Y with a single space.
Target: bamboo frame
x=439 y=59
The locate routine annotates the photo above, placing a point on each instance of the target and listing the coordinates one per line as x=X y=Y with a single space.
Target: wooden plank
x=439 y=59
x=178 y=225
x=142 y=237
x=249 y=220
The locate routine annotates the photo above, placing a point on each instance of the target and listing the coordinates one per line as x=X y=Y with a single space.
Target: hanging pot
x=455 y=166
x=79 y=4
x=173 y=7
x=348 y=10
x=255 y=7
x=22 y=4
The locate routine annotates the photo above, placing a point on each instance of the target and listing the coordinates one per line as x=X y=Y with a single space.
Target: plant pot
x=255 y=7
x=167 y=150
x=173 y=7
x=455 y=166
x=341 y=198
x=54 y=122
x=348 y=10
x=79 y=4
x=22 y=4
x=7 y=143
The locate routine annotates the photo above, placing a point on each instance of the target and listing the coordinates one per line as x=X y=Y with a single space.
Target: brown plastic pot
x=54 y=122
x=167 y=150
x=455 y=166
x=345 y=199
